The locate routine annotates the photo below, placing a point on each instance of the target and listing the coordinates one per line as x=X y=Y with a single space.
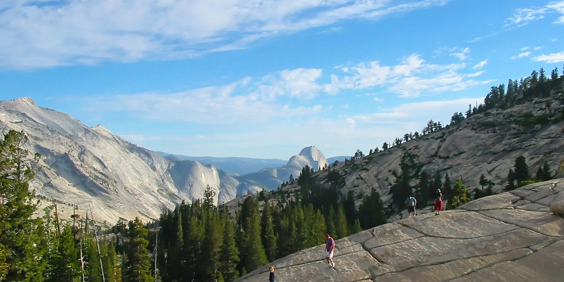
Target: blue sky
x=263 y=79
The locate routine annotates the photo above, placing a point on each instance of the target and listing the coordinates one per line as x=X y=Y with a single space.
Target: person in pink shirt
x=329 y=248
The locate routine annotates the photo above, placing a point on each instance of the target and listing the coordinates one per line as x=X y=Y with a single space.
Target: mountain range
x=92 y=168
x=96 y=170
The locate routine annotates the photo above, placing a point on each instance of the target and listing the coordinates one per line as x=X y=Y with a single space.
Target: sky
x=264 y=79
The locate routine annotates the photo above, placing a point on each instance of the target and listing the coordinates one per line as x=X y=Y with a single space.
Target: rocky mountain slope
x=510 y=236
x=483 y=144
x=96 y=170
x=233 y=165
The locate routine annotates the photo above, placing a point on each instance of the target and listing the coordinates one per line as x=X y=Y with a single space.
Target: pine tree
x=447 y=186
x=19 y=233
x=371 y=211
x=209 y=269
x=521 y=170
x=110 y=261
x=268 y=236
x=91 y=258
x=229 y=256
x=65 y=263
x=138 y=267
x=318 y=229
x=341 y=229
x=255 y=255
x=547 y=174
x=423 y=192
x=355 y=228
x=459 y=196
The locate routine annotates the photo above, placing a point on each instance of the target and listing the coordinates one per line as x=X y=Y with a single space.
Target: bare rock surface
x=511 y=236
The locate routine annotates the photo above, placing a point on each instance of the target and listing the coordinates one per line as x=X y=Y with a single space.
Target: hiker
x=272 y=277
x=329 y=248
x=411 y=203
x=438 y=202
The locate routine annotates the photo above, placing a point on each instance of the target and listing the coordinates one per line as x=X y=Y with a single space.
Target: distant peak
x=26 y=100
x=312 y=153
x=308 y=151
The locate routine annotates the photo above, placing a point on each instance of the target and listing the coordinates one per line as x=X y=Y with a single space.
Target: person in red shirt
x=329 y=248
x=438 y=202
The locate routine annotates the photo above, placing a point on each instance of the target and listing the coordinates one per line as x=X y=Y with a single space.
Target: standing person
x=272 y=277
x=329 y=248
x=438 y=202
x=411 y=203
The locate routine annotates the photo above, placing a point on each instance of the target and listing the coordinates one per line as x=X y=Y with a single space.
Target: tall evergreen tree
x=229 y=256
x=371 y=211
x=423 y=191
x=447 y=186
x=91 y=258
x=267 y=234
x=521 y=170
x=341 y=228
x=110 y=261
x=209 y=268
x=66 y=262
x=459 y=195
x=138 y=267
x=547 y=174
x=318 y=229
x=255 y=256
x=19 y=232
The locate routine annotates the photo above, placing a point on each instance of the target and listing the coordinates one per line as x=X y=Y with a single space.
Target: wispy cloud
x=41 y=34
x=462 y=54
x=551 y=58
x=480 y=64
x=559 y=7
x=524 y=16
x=288 y=94
x=522 y=55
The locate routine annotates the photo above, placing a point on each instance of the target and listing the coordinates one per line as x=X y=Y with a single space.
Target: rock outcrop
x=511 y=236
x=94 y=169
x=272 y=178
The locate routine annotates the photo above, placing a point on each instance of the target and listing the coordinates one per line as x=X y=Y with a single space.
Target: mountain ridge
x=92 y=168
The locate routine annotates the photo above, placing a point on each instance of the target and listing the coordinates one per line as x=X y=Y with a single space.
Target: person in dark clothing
x=411 y=202
x=329 y=248
x=272 y=277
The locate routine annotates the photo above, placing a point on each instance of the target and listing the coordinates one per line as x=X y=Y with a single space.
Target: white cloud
x=40 y=34
x=299 y=83
x=289 y=94
x=480 y=64
x=462 y=54
x=524 y=16
x=521 y=55
x=559 y=7
x=551 y=58
x=525 y=48
x=210 y=105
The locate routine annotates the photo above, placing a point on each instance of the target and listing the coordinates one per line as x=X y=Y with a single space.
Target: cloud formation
x=524 y=16
x=551 y=58
x=288 y=94
x=42 y=34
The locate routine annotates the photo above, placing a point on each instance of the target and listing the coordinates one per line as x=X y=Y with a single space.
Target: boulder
x=557 y=208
